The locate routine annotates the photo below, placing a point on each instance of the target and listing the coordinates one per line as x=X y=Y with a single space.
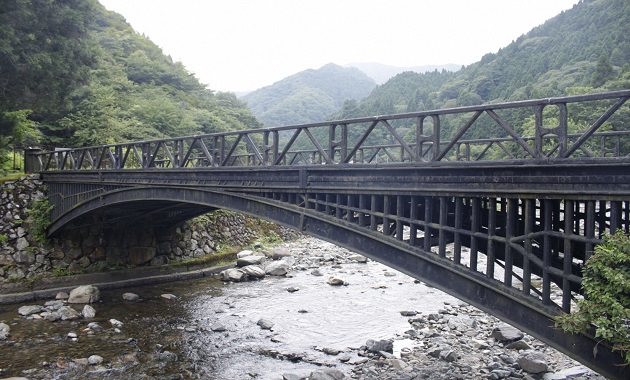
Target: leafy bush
x=39 y=218
x=606 y=303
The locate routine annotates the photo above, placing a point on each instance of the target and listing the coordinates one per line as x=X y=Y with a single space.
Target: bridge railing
x=585 y=126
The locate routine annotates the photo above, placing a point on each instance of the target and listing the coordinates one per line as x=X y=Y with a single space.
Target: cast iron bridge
x=503 y=222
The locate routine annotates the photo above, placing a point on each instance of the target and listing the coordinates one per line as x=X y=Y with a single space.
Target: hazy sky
x=238 y=45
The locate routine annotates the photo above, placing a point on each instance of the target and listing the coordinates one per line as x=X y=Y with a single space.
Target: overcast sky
x=241 y=45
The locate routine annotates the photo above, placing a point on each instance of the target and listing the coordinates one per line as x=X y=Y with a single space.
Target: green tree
x=603 y=71
x=45 y=52
x=16 y=130
x=606 y=303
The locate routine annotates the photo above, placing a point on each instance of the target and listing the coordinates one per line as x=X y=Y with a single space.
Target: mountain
x=584 y=49
x=382 y=73
x=308 y=96
x=74 y=73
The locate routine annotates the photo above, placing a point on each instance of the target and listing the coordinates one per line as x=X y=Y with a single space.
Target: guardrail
x=560 y=128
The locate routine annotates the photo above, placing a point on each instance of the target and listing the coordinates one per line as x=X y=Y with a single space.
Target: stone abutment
x=90 y=249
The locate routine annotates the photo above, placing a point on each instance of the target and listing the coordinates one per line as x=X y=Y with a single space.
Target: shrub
x=606 y=303
x=39 y=218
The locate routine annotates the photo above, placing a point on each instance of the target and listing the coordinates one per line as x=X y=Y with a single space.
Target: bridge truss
x=504 y=223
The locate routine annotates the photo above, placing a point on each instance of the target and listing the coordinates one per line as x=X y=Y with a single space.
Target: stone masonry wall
x=92 y=249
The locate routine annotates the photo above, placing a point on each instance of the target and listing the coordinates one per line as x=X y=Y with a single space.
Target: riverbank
x=375 y=324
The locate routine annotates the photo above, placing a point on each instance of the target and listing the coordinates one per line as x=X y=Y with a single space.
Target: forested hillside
x=73 y=73
x=584 y=49
x=381 y=73
x=308 y=96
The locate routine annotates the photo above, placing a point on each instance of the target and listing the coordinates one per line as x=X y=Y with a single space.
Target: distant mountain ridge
x=308 y=96
x=381 y=73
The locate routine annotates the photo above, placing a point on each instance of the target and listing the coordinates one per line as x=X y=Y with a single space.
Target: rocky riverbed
x=303 y=310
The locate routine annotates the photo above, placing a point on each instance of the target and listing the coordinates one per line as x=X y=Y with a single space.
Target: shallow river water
x=317 y=316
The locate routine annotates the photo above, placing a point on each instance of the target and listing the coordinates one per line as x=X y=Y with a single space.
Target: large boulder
x=253 y=271
x=532 y=362
x=4 y=331
x=84 y=294
x=67 y=313
x=29 y=309
x=250 y=260
x=379 y=345
x=277 y=268
x=233 y=275
x=506 y=333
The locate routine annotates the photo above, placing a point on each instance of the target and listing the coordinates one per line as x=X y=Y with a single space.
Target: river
x=314 y=317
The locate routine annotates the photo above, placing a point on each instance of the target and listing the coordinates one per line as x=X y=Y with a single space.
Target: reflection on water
x=316 y=316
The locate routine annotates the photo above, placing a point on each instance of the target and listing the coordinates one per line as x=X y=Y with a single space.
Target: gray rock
x=290 y=376
x=217 y=327
x=4 y=331
x=168 y=296
x=518 y=345
x=62 y=296
x=280 y=253
x=253 y=271
x=167 y=356
x=462 y=323
x=501 y=373
x=88 y=312
x=21 y=257
x=317 y=272
x=22 y=244
x=448 y=355
x=568 y=373
x=397 y=364
x=28 y=310
x=288 y=261
x=54 y=305
x=130 y=297
x=331 y=351
x=233 y=275
x=532 y=362
x=250 y=260
x=335 y=281
x=52 y=316
x=332 y=373
x=95 y=359
x=358 y=258
x=277 y=268
x=379 y=345
x=506 y=333
x=84 y=294
x=68 y=313
x=265 y=324
x=244 y=253
x=115 y=323
x=94 y=326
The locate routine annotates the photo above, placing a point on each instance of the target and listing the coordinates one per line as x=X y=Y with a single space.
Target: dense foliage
x=606 y=303
x=308 y=96
x=73 y=73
